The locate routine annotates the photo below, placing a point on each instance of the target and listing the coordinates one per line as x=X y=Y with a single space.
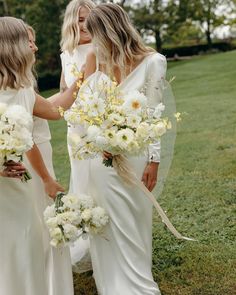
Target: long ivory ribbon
x=125 y=171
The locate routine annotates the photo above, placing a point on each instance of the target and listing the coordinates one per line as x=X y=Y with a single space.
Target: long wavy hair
x=70 y=35
x=117 y=41
x=16 y=56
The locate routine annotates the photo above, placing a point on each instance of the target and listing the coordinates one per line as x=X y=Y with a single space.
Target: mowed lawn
x=200 y=192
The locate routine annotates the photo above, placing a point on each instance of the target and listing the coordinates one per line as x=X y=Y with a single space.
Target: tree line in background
x=165 y=23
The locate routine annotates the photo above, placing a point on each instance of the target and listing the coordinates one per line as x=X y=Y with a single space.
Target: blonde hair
x=117 y=41
x=70 y=35
x=16 y=57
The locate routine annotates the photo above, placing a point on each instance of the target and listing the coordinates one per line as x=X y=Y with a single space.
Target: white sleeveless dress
x=79 y=168
x=22 y=257
x=57 y=261
x=122 y=262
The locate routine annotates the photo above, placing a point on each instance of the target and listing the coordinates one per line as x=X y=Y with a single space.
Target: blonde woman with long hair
x=22 y=253
x=122 y=262
x=58 y=263
x=75 y=45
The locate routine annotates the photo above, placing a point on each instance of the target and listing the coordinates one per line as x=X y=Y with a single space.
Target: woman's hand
x=149 y=178
x=52 y=187
x=107 y=156
x=13 y=170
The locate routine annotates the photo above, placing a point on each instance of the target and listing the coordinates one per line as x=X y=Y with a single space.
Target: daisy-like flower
x=133 y=121
x=134 y=101
x=111 y=137
x=125 y=137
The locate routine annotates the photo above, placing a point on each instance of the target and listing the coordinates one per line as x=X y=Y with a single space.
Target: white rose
x=116 y=119
x=49 y=212
x=143 y=131
x=70 y=232
x=159 y=129
x=52 y=222
x=56 y=233
x=86 y=215
x=92 y=132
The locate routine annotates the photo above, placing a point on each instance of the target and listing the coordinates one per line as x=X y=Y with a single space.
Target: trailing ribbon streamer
x=125 y=171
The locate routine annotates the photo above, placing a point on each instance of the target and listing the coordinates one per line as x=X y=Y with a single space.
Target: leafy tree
x=211 y=14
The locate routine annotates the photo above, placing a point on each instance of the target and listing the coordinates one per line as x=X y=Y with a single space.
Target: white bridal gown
x=80 y=255
x=58 y=261
x=122 y=261
x=22 y=261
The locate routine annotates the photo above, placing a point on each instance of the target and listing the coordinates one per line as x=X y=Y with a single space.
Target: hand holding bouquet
x=116 y=122
x=15 y=135
x=70 y=217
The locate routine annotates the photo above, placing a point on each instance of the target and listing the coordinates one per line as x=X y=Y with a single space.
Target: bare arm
x=63 y=88
x=46 y=109
x=50 y=185
x=90 y=66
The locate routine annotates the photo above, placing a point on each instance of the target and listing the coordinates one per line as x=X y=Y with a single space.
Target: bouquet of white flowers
x=70 y=217
x=15 y=135
x=116 y=122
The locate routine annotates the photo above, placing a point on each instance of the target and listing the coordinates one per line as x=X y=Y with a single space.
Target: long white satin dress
x=80 y=255
x=57 y=261
x=122 y=262
x=22 y=257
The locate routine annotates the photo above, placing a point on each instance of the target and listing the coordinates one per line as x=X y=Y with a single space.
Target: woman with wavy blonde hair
x=22 y=253
x=75 y=45
x=122 y=261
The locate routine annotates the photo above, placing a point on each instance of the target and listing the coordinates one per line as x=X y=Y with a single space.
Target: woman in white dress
x=22 y=255
x=122 y=262
x=58 y=261
x=75 y=45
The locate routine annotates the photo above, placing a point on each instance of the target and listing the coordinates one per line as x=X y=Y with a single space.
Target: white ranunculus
x=92 y=132
x=56 y=234
x=159 y=129
x=124 y=137
x=52 y=222
x=101 y=141
x=49 y=212
x=143 y=131
x=74 y=140
x=116 y=119
x=3 y=108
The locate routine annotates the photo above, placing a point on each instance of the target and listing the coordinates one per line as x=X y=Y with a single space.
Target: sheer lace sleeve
x=155 y=73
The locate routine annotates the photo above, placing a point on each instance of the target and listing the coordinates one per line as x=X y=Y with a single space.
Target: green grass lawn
x=200 y=193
